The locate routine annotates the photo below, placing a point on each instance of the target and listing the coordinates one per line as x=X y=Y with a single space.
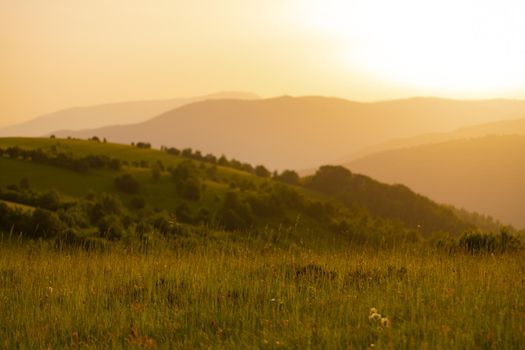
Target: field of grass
x=230 y=295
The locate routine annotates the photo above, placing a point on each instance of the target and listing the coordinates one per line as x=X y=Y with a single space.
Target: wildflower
x=385 y=322
x=374 y=317
x=373 y=311
x=50 y=290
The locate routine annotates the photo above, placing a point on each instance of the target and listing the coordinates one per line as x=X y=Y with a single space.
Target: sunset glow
x=60 y=54
x=447 y=47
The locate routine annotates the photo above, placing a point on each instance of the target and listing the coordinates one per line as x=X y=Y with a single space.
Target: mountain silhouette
x=107 y=114
x=505 y=127
x=301 y=132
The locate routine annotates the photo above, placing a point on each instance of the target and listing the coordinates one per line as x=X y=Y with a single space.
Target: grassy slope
x=17 y=205
x=159 y=194
x=44 y=177
x=162 y=194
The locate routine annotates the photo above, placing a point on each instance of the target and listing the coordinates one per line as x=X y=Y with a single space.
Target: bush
x=46 y=224
x=481 y=242
x=110 y=227
x=162 y=222
x=105 y=204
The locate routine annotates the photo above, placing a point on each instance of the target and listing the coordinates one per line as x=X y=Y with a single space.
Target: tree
x=105 y=204
x=115 y=164
x=183 y=213
x=261 y=171
x=155 y=173
x=126 y=183
x=289 y=177
x=145 y=145
x=183 y=171
x=235 y=214
x=49 y=200
x=190 y=189
x=330 y=179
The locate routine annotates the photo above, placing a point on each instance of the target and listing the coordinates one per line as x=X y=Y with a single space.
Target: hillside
x=480 y=174
x=301 y=132
x=95 y=182
x=504 y=127
x=107 y=114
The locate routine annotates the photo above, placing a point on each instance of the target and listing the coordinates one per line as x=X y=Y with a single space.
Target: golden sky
x=62 y=53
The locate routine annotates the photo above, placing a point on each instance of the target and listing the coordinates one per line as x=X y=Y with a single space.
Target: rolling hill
x=480 y=174
x=504 y=127
x=91 y=178
x=107 y=114
x=301 y=132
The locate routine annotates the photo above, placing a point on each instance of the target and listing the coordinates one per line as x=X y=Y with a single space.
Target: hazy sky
x=62 y=53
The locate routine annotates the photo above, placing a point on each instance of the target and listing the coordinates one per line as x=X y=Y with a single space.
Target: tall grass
x=227 y=294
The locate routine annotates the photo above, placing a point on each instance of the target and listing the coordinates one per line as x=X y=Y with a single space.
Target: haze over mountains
x=505 y=127
x=483 y=174
x=108 y=114
x=301 y=132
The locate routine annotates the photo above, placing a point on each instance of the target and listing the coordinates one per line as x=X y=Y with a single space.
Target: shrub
x=481 y=242
x=46 y=224
x=110 y=227
x=105 y=204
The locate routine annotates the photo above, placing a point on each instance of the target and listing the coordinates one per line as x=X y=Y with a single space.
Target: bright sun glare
x=447 y=46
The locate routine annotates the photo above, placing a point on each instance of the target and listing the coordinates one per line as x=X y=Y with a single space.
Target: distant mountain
x=108 y=114
x=301 y=132
x=505 y=127
x=479 y=174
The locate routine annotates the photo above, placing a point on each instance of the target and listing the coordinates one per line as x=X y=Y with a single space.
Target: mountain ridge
x=301 y=132
x=99 y=115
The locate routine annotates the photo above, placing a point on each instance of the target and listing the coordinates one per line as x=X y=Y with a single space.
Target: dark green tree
x=126 y=183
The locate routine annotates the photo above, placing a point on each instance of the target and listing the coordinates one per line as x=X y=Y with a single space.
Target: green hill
x=102 y=190
x=482 y=174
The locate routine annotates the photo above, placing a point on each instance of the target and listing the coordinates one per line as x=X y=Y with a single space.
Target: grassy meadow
x=228 y=295
x=245 y=260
